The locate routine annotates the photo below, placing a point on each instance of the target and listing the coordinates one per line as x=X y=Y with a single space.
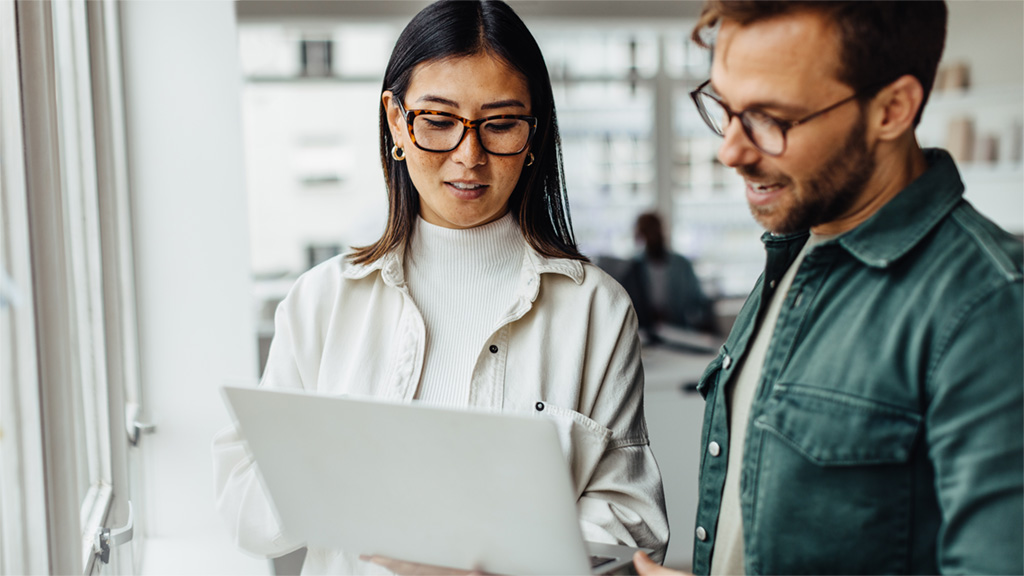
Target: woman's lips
x=466 y=190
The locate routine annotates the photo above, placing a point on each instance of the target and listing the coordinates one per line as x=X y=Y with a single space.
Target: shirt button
x=772 y=284
x=727 y=362
x=702 y=534
x=539 y=406
x=714 y=449
x=493 y=349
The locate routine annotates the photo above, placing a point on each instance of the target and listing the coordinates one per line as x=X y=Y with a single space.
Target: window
x=67 y=314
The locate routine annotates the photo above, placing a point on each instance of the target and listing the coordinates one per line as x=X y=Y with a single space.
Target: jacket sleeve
x=624 y=501
x=974 y=423
x=240 y=497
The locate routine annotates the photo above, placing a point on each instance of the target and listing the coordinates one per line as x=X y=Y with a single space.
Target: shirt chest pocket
x=583 y=441
x=825 y=455
x=834 y=429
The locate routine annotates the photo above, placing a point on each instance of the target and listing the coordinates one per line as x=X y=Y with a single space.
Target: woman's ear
x=393 y=115
x=896 y=106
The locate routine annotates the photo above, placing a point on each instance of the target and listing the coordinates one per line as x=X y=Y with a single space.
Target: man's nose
x=737 y=149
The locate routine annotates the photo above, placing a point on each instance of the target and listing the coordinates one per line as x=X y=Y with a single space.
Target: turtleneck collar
x=490 y=243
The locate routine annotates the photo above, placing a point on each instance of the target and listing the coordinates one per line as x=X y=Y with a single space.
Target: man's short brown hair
x=880 y=40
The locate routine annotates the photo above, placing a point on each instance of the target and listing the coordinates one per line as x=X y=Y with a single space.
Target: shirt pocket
x=830 y=428
x=831 y=476
x=583 y=441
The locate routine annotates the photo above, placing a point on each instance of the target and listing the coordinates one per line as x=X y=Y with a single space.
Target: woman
x=475 y=295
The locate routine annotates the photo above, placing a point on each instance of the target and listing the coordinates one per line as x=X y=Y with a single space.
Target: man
x=866 y=413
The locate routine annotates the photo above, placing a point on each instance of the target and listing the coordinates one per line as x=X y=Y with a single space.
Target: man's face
x=787 y=67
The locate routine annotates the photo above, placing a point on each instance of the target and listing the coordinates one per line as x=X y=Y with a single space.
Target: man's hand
x=647 y=567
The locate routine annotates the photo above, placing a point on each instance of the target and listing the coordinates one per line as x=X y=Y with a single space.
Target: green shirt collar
x=906 y=219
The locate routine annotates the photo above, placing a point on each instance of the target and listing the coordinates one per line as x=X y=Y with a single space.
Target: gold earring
x=529 y=158
x=394 y=153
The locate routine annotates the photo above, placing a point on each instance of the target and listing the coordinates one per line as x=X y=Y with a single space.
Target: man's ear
x=895 y=107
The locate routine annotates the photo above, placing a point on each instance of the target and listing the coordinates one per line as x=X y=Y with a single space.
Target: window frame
x=23 y=531
x=74 y=395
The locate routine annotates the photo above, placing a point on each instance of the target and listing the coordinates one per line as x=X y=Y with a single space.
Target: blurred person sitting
x=664 y=287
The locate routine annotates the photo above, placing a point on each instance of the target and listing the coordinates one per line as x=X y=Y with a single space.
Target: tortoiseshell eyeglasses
x=501 y=135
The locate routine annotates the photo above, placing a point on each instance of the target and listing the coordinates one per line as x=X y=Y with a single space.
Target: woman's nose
x=469 y=152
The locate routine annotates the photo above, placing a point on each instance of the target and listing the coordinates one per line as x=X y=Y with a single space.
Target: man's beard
x=828 y=194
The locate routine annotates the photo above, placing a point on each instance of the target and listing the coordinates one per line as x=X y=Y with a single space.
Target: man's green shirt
x=886 y=434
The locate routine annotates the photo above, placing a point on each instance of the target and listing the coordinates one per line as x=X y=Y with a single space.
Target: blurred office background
x=248 y=138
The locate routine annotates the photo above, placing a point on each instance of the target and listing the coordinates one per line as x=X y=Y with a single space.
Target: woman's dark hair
x=452 y=29
x=880 y=40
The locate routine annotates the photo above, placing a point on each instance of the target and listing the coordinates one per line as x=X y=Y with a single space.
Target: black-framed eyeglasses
x=501 y=135
x=765 y=131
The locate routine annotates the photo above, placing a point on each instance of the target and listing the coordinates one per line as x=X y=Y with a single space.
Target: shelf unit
x=993 y=169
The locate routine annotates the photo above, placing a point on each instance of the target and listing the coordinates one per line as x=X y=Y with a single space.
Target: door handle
x=134 y=425
x=107 y=538
x=138 y=429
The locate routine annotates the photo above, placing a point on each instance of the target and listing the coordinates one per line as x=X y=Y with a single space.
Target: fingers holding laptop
x=647 y=567
x=403 y=568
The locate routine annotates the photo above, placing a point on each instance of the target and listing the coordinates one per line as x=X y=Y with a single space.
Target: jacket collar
x=905 y=220
x=389 y=265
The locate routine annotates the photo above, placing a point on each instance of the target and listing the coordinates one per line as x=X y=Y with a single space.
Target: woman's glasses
x=501 y=135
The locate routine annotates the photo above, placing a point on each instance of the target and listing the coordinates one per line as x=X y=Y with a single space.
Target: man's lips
x=763 y=193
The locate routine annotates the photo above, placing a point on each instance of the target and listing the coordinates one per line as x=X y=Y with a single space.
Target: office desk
x=674 y=416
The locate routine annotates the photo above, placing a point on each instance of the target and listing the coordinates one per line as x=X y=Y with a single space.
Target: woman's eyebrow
x=509 y=103
x=437 y=100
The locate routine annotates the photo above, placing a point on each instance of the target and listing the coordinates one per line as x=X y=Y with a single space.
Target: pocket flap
x=835 y=429
x=583 y=441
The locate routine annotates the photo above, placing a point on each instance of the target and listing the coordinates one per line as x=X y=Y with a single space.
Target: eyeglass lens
x=499 y=136
x=762 y=130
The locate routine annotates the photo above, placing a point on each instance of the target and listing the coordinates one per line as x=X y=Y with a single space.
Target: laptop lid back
x=462 y=489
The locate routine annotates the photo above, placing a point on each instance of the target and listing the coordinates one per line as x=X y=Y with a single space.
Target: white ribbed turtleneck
x=461 y=281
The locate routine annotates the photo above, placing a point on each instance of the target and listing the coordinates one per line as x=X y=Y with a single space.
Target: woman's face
x=467 y=186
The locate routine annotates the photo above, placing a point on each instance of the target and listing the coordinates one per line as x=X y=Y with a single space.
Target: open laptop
x=460 y=489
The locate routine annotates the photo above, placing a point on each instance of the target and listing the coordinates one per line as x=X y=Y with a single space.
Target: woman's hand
x=647 y=567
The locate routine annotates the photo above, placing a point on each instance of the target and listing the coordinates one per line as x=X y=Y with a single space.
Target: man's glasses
x=502 y=135
x=766 y=132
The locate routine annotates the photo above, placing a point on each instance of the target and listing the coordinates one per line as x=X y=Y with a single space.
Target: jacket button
x=727 y=362
x=702 y=534
x=539 y=406
x=493 y=349
x=771 y=284
x=714 y=448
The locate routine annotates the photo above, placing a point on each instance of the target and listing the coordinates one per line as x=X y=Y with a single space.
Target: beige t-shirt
x=727 y=557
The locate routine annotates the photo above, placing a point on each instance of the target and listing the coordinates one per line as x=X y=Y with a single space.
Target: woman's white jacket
x=568 y=340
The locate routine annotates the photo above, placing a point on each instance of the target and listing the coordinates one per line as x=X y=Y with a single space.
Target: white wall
x=182 y=93
x=988 y=34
